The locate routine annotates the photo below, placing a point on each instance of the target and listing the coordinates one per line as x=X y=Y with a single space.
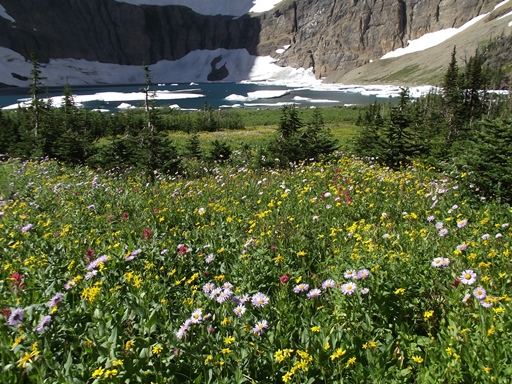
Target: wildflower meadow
x=336 y=272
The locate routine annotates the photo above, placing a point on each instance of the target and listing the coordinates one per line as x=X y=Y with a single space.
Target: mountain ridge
x=336 y=39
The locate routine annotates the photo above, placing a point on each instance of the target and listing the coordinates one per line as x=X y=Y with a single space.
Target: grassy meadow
x=339 y=272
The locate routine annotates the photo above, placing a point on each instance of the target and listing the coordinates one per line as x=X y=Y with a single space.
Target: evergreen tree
x=316 y=139
x=368 y=141
x=453 y=99
x=287 y=147
x=488 y=159
x=397 y=137
x=220 y=151
x=193 y=146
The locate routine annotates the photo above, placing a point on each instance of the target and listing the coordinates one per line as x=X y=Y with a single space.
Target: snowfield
x=214 y=7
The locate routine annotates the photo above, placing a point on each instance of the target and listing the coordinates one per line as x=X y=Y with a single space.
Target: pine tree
x=368 y=142
x=488 y=159
x=316 y=139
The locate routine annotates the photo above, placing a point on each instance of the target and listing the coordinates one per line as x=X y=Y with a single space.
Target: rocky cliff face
x=337 y=35
x=113 y=32
x=329 y=35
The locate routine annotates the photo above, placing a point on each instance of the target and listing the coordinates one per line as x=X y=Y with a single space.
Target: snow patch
x=194 y=68
x=432 y=39
x=507 y=15
x=214 y=7
x=57 y=101
x=500 y=4
x=5 y=15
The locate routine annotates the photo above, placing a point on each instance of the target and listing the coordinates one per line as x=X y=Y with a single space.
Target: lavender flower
x=300 y=288
x=443 y=232
x=260 y=300
x=364 y=291
x=350 y=274
x=314 y=293
x=43 y=323
x=363 y=274
x=479 y=293
x=329 y=283
x=26 y=228
x=56 y=300
x=239 y=310
x=348 y=288
x=468 y=277
x=16 y=317
x=260 y=327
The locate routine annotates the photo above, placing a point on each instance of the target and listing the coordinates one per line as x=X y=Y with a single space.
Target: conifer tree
x=316 y=139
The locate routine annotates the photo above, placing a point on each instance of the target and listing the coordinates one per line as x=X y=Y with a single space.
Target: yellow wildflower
x=339 y=352
x=129 y=345
x=110 y=373
x=228 y=340
x=316 y=328
x=417 y=359
x=400 y=291
x=351 y=361
x=98 y=372
x=157 y=349
x=27 y=358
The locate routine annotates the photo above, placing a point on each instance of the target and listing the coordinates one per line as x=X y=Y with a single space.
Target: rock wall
x=338 y=35
x=115 y=32
x=328 y=35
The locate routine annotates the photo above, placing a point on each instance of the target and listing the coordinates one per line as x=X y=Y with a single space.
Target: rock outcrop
x=338 y=35
x=328 y=35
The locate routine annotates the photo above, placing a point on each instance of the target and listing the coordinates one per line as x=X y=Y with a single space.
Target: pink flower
x=284 y=279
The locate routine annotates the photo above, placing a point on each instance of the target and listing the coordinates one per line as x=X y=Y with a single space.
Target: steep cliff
x=338 y=35
x=331 y=36
x=113 y=32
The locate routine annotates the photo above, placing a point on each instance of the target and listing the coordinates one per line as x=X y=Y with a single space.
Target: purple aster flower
x=486 y=303
x=197 y=316
x=348 y=288
x=439 y=262
x=329 y=283
x=260 y=327
x=132 y=255
x=56 y=300
x=350 y=274
x=209 y=258
x=462 y=223
x=224 y=295
x=468 y=277
x=439 y=225
x=26 y=228
x=364 y=291
x=70 y=284
x=89 y=275
x=480 y=293
x=431 y=218
x=467 y=296
x=208 y=287
x=300 y=288
x=43 y=323
x=363 y=274
x=314 y=293
x=498 y=236
x=215 y=292
x=227 y=285
x=239 y=310
x=462 y=247
x=486 y=236
x=443 y=232
x=241 y=300
x=16 y=317
x=259 y=299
